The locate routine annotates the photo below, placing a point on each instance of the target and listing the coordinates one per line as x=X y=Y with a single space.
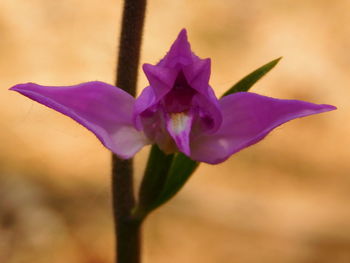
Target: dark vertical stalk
x=127 y=229
x=130 y=43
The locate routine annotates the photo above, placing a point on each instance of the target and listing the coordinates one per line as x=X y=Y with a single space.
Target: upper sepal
x=180 y=52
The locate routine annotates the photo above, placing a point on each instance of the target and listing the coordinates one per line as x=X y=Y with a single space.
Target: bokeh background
x=284 y=200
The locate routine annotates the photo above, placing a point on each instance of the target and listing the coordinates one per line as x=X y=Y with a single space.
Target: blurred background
x=285 y=200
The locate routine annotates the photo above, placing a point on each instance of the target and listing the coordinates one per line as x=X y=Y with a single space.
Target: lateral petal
x=102 y=108
x=197 y=75
x=247 y=119
x=146 y=100
x=161 y=79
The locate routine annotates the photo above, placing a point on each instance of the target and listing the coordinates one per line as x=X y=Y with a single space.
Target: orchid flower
x=178 y=111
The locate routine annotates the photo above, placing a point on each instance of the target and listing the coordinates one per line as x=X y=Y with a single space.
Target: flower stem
x=127 y=229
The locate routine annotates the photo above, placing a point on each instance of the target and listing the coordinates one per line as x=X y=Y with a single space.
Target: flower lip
x=179 y=127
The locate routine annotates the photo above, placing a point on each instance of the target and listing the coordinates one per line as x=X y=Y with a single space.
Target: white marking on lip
x=179 y=122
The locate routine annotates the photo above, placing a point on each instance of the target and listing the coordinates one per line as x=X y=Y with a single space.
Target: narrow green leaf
x=180 y=171
x=248 y=81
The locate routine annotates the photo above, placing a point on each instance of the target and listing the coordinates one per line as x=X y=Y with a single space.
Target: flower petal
x=146 y=100
x=179 y=53
x=102 y=108
x=248 y=118
x=198 y=74
x=161 y=79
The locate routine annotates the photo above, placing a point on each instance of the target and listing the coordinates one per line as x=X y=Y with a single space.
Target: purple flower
x=178 y=110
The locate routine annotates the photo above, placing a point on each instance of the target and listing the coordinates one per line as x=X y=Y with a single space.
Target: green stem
x=127 y=228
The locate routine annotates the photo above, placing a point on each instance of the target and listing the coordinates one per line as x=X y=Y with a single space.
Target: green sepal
x=248 y=81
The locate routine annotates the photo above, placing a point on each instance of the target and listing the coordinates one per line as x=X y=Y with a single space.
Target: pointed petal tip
x=206 y=62
x=147 y=68
x=25 y=88
x=328 y=107
x=182 y=37
x=19 y=87
x=183 y=34
x=179 y=53
x=320 y=108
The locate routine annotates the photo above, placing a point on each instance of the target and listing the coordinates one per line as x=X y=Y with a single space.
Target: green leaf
x=154 y=178
x=180 y=171
x=165 y=175
x=248 y=81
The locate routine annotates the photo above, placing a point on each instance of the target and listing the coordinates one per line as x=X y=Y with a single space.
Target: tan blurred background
x=285 y=200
